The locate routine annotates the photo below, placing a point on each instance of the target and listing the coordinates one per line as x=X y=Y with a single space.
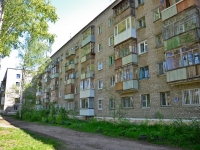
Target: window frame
x=100 y=104
x=146 y=74
x=100 y=29
x=112 y=103
x=146 y=100
x=156 y=13
x=167 y=99
x=124 y=101
x=144 y=43
x=100 y=84
x=100 y=47
x=190 y=96
x=100 y=67
x=159 y=44
x=18 y=76
x=141 y=22
x=111 y=60
x=112 y=81
x=164 y=68
x=111 y=38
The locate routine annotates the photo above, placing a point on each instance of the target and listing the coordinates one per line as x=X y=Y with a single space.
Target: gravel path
x=75 y=140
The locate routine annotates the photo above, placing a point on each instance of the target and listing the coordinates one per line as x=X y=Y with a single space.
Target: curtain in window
x=124 y=74
x=186 y=97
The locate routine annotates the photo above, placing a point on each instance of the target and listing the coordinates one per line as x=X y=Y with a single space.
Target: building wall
x=152 y=85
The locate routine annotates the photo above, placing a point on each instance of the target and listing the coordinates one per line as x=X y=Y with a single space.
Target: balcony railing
x=46 y=80
x=87 y=57
x=86 y=112
x=54 y=87
x=70 y=53
x=90 y=38
x=87 y=93
x=129 y=85
x=177 y=8
x=46 y=100
x=55 y=75
x=69 y=81
x=184 y=75
x=69 y=97
x=47 y=90
x=69 y=67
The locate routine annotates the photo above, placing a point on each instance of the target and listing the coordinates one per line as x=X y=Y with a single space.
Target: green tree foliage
x=25 y=17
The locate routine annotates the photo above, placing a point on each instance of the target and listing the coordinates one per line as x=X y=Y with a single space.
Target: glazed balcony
x=185 y=75
x=86 y=112
x=87 y=93
x=86 y=75
x=177 y=8
x=124 y=14
x=118 y=63
x=182 y=39
x=70 y=53
x=126 y=86
x=55 y=75
x=69 y=97
x=70 y=67
x=69 y=81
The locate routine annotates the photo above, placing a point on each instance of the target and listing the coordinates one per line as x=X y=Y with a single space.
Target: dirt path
x=75 y=140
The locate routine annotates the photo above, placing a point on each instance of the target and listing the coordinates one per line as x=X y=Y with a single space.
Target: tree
x=33 y=60
x=25 y=17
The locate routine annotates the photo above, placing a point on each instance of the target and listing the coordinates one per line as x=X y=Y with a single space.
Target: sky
x=73 y=16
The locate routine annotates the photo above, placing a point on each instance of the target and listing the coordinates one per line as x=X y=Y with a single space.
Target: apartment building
x=137 y=56
x=10 y=91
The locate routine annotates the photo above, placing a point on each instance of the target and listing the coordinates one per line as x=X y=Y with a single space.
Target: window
x=110 y=22
x=86 y=84
x=100 y=29
x=190 y=56
x=75 y=90
x=84 y=103
x=127 y=102
x=60 y=94
x=191 y=97
x=112 y=81
x=140 y=2
x=100 y=84
x=61 y=57
x=60 y=69
x=17 y=100
x=100 y=104
x=159 y=40
x=156 y=14
x=144 y=72
x=70 y=105
x=100 y=47
x=142 y=47
x=17 y=83
x=145 y=100
x=165 y=99
x=141 y=22
x=76 y=59
x=111 y=40
x=100 y=65
x=112 y=103
x=121 y=26
x=162 y=68
x=76 y=75
x=18 y=76
x=15 y=107
x=111 y=60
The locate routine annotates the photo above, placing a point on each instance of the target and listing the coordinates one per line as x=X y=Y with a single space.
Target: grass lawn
x=16 y=139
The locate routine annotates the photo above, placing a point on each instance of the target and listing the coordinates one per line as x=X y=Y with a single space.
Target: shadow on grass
x=40 y=137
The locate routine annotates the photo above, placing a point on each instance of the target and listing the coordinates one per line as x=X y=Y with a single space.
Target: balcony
x=126 y=86
x=69 y=89
x=38 y=93
x=87 y=57
x=69 y=97
x=2 y=100
x=37 y=102
x=86 y=75
x=46 y=100
x=69 y=67
x=182 y=39
x=177 y=8
x=118 y=63
x=185 y=75
x=54 y=87
x=69 y=81
x=47 y=70
x=90 y=38
x=55 y=75
x=87 y=93
x=70 y=53
x=46 y=80
x=132 y=58
x=86 y=112
x=47 y=90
